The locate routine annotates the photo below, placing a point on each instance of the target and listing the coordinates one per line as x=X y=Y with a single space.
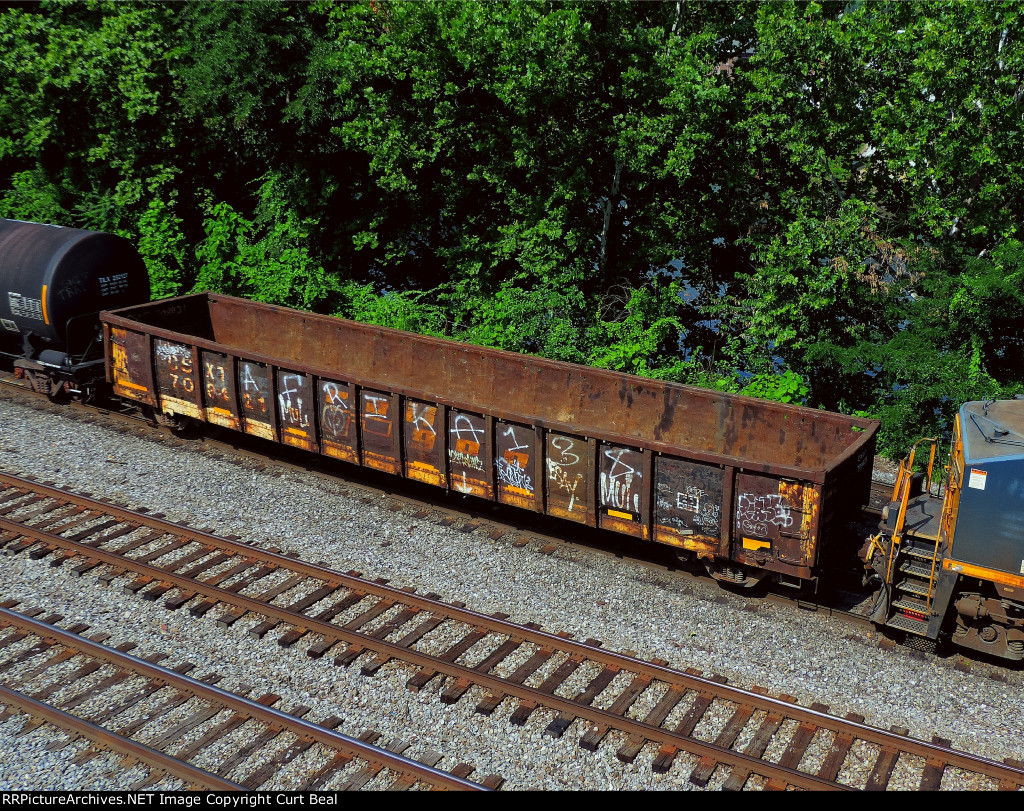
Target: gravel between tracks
x=627 y=605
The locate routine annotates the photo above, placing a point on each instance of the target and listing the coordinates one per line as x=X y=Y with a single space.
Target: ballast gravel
x=626 y=605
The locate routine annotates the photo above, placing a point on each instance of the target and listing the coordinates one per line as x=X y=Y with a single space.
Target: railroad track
x=118 y=698
x=758 y=740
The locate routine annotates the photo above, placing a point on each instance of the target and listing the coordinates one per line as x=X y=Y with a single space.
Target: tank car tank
x=54 y=281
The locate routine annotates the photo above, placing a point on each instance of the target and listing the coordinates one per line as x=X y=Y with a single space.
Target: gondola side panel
x=220 y=390
x=131 y=365
x=337 y=403
x=256 y=395
x=380 y=428
x=296 y=410
x=177 y=378
x=424 y=442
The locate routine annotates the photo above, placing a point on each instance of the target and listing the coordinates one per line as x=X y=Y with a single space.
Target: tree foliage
x=814 y=203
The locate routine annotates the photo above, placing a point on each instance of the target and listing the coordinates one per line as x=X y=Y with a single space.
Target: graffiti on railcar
x=294 y=400
x=514 y=464
x=337 y=421
x=420 y=417
x=175 y=368
x=219 y=390
x=295 y=410
x=375 y=414
x=216 y=381
x=705 y=513
x=775 y=516
x=621 y=478
x=255 y=385
x=756 y=513
x=176 y=378
x=688 y=504
x=254 y=389
x=469 y=454
x=422 y=451
x=335 y=409
x=380 y=439
x=568 y=477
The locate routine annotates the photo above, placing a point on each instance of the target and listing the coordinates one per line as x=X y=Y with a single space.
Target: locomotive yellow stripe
x=46 y=318
x=983 y=573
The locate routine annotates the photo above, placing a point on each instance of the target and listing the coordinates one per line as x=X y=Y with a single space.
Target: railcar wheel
x=178 y=424
x=42 y=383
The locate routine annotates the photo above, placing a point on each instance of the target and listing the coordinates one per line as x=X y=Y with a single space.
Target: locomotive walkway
x=591 y=691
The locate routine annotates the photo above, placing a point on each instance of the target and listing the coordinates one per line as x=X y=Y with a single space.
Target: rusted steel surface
x=296 y=410
x=516 y=465
x=129 y=359
x=337 y=403
x=723 y=476
x=177 y=378
x=220 y=394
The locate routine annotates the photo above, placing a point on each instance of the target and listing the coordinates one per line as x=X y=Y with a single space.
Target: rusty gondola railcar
x=748 y=487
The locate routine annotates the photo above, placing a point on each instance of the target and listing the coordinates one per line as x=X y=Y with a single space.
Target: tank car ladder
x=913 y=557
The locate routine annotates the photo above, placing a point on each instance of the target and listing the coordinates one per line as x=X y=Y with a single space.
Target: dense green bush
x=813 y=203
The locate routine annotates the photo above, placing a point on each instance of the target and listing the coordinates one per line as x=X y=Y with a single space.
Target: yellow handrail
x=901 y=493
x=906 y=470
x=931 y=577
x=901 y=518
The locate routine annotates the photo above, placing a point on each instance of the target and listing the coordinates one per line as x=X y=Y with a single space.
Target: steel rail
x=268 y=715
x=192 y=775
x=738 y=695
x=497 y=685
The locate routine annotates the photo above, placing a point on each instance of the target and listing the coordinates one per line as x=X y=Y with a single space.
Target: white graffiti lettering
x=248 y=382
x=336 y=417
x=465 y=430
x=512 y=474
x=617 y=482
x=755 y=513
x=463 y=486
x=564 y=446
x=465 y=459
x=510 y=431
x=292 y=411
x=706 y=513
x=376 y=407
x=561 y=478
x=334 y=396
x=422 y=416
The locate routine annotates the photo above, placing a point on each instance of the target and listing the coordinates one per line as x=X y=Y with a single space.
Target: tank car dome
x=55 y=280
